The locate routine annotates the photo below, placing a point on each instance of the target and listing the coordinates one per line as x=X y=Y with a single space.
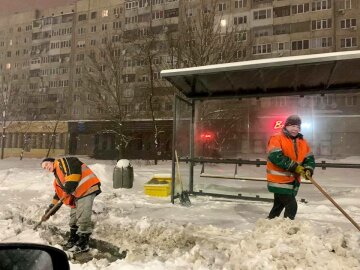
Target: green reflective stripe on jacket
x=288 y=188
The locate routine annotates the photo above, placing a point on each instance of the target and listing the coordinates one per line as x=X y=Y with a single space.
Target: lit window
x=8 y=66
x=105 y=13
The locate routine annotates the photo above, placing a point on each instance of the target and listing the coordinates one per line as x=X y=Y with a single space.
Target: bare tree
x=105 y=81
x=207 y=35
x=149 y=47
x=9 y=103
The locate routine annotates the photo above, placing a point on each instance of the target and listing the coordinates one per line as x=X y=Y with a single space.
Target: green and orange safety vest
x=285 y=153
x=75 y=178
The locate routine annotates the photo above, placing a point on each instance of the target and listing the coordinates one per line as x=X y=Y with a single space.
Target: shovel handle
x=50 y=212
x=333 y=202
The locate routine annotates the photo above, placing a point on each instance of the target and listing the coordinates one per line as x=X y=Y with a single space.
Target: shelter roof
x=293 y=75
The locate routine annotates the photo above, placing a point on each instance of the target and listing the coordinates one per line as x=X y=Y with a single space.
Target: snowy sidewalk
x=211 y=234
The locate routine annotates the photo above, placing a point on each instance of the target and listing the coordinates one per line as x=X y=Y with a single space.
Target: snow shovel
x=50 y=212
x=333 y=202
x=184 y=196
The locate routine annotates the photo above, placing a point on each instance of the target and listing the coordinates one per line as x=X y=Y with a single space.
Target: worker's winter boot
x=82 y=244
x=73 y=238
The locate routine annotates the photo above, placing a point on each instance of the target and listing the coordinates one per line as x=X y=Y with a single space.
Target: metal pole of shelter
x=192 y=148
x=173 y=151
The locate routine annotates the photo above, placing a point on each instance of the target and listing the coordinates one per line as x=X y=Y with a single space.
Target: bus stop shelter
x=225 y=113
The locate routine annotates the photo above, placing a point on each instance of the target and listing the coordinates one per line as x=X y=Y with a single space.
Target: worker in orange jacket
x=77 y=186
x=289 y=159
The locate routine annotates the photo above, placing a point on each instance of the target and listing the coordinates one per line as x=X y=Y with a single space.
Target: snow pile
x=286 y=244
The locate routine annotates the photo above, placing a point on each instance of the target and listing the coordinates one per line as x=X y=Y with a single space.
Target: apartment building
x=45 y=52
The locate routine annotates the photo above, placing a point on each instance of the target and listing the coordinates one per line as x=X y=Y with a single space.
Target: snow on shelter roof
x=293 y=75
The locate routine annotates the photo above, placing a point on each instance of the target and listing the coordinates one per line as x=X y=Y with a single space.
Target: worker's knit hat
x=293 y=120
x=48 y=159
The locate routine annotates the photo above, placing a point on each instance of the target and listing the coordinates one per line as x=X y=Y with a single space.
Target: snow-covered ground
x=213 y=233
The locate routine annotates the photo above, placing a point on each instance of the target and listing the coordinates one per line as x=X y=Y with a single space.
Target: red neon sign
x=278 y=124
x=206 y=136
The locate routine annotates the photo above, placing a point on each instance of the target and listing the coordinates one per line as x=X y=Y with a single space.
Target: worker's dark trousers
x=282 y=201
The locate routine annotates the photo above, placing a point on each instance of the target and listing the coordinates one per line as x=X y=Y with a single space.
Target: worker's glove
x=49 y=208
x=300 y=170
x=308 y=173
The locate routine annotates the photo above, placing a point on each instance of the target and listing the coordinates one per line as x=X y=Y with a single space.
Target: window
x=78 y=83
x=117 y=11
x=240 y=54
x=351 y=101
x=80 y=57
x=263 y=32
x=348 y=23
x=131 y=5
x=158 y=14
x=80 y=44
x=105 y=13
x=189 y=12
x=78 y=70
x=222 y=6
x=156 y=75
x=116 y=38
x=93 y=29
x=321 y=24
x=81 y=30
x=262 y=49
x=240 y=3
x=322 y=42
x=348 y=42
x=133 y=19
x=104 y=27
x=82 y=17
x=300 y=45
x=345 y=4
x=93 y=15
x=302 y=8
x=240 y=20
x=262 y=14
x=321 y=5
x=93 y=42
x=116 y=25
x=281 y=46
x=281 y=11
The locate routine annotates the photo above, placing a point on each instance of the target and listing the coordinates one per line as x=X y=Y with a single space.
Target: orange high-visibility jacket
x=75 y=178
x=287 y=153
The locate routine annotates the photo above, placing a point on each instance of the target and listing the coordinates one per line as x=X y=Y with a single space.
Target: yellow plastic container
x=158 y=190
x=158 y=186
x=162 y=177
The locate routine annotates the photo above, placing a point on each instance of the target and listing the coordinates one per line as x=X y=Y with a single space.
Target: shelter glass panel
x=182 y=141
x=234 y=129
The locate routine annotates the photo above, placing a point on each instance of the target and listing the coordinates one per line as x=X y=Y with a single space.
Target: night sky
x=12 y=6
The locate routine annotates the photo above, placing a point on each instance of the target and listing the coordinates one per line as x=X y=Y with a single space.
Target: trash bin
x=123 y=175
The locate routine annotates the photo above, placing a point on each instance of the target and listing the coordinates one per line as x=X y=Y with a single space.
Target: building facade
x=45 y=53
